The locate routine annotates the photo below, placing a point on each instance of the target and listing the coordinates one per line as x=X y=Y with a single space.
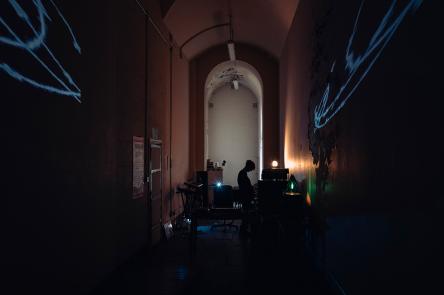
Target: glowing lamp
x=274 y=164
x=218 y=184
x=236 y=84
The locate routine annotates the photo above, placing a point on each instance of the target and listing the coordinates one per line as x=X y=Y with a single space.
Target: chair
x=223 y=198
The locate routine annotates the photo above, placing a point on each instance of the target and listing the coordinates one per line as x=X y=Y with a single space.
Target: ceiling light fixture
x=236 y=84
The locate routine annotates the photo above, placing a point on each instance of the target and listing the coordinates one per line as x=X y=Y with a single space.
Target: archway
x=249 y=80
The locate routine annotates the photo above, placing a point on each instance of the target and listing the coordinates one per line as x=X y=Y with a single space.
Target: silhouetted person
x=246 y=191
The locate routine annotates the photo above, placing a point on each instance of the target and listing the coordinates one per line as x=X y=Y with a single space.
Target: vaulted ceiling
x=262 y=23
x=224 y=73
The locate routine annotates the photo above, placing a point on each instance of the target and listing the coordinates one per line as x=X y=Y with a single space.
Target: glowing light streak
x=332 y=103
x=38 y=42
x=74 y=40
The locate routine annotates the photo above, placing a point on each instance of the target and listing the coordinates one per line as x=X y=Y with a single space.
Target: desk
x=211 y=214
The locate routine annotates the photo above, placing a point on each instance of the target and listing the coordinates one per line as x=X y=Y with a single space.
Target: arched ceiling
x=223 y=74
x=263 y=23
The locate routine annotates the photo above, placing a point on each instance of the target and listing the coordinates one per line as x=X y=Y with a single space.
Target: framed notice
x=138 y=166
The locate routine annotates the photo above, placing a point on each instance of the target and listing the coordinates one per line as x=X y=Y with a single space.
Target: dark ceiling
x=262 y=23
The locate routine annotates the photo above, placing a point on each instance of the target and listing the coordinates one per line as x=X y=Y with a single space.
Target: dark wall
x=267 y=68
x=168 y=110
x=180 y=141
x=67 y=166
x=382 y=194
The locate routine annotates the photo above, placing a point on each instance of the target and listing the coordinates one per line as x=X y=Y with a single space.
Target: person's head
x=250 y=166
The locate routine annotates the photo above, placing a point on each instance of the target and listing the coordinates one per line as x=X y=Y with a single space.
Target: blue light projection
x=65 y=85
x=358 y=66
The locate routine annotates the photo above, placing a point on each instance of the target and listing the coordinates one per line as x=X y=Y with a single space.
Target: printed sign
x=138 y=166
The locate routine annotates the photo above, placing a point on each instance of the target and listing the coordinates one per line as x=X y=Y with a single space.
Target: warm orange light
x=308 y=199
x=290 y=164
x=274 y=164
x=297 y=166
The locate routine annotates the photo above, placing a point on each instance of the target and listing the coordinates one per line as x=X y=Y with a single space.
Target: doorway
x=233 y=118
x=233 y=131
x=156 y=190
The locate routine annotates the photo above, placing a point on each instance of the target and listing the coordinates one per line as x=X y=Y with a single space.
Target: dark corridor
x=103 y=120
x=224 y=263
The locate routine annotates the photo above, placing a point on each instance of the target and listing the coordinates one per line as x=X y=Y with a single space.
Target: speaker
x=275 y=174
x=223 y=196
x=270 y=195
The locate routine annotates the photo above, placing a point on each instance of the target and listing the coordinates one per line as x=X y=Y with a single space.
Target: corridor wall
x=70 y=218
x=380 y=148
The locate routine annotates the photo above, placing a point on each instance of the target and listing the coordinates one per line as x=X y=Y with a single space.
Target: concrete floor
x=224 y=263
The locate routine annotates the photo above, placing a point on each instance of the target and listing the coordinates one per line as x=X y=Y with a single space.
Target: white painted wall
x=233 y=131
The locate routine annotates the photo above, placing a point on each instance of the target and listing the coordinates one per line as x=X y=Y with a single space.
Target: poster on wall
x=138 y=166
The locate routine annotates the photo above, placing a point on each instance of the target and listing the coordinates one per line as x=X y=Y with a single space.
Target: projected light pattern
x=358 y=66
x=65 y=84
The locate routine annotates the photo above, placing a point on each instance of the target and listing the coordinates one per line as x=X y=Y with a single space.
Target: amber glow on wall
x=296 y=159
x=289 y=153
x=308 y=199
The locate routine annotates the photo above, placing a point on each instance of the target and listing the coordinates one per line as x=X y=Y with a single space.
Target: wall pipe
x=146 y=135
x=171 y=127
x=156 y=27
x=201 y=32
